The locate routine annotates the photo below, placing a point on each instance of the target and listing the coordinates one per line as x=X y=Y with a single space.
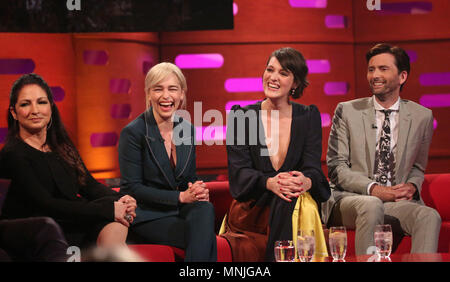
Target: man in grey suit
x=377 y=155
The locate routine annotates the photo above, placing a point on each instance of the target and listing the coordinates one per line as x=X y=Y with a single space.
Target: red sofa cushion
x=436 y=193
x=163 y=253
x=154 y=253
x=223 y=250
x=220 y=197
x=444 y=238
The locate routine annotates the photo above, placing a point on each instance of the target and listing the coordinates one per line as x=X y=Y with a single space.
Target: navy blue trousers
x=192 y=230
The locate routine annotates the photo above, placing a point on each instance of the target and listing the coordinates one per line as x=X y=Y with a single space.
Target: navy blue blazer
x=147 y=174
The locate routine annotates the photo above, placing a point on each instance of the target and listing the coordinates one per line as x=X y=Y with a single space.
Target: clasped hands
x=288 y=185
x=400 y=192
x=195 y=192
x=125 y=210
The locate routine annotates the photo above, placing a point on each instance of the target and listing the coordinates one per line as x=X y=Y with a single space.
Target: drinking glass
x=383 y=240
x=338 y=242
x=305 y=245
x=284 y=251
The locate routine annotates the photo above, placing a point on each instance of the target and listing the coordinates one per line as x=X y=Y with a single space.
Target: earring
x=293 y=91
x=50 y=123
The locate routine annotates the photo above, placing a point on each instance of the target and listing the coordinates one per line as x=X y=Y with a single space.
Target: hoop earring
x=50 y=123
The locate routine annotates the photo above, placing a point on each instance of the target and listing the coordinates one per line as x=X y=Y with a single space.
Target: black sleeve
x=93 y=190
x=311 y=160
x=25 y=178
x=246 y=182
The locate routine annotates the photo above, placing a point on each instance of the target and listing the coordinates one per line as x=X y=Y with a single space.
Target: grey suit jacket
x=352 y=141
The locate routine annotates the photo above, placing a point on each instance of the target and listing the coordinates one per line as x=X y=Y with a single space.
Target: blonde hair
x=158 y=73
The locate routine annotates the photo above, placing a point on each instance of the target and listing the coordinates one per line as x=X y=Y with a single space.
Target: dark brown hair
x=292 y=60
x=400 y=55
x=57 y=138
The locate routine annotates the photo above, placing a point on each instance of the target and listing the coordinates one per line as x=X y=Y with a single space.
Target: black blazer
x=249 y=171
x=145 y=166
x=42 y=184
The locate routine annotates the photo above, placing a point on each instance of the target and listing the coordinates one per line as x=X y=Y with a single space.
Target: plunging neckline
x=173 y=150
x=290 y=138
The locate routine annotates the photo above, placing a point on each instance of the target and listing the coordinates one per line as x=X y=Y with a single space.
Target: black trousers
x=192 y=230
x=280 y=224
x=32 y=239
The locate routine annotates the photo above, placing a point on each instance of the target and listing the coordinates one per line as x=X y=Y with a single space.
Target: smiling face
x=166 y=97
x=277 y=81
x=383 y=76
x=32 y=110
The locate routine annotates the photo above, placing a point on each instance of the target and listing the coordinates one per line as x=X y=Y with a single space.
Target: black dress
x=257 y=217
x=43 y=184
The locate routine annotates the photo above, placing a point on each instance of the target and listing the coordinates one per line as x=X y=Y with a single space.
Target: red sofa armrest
x=436 y=193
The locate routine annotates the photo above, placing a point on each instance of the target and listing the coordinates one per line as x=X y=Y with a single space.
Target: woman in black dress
x=274 y=163
x=48 y=177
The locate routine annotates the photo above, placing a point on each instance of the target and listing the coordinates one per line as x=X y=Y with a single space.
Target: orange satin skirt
x=247 y=230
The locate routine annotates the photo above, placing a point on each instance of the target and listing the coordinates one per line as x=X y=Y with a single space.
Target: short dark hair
x=292 y=60
x=401 y=57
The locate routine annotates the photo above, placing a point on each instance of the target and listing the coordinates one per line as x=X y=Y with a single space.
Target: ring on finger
x=128 y=217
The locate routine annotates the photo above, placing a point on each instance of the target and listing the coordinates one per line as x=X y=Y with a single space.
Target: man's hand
x=404 y=191
x=384 y=193
x=395 y=193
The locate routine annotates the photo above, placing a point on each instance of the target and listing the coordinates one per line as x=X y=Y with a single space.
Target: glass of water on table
x=383 y=240
x=306 y=245
x=337 y=239
x=284 y=251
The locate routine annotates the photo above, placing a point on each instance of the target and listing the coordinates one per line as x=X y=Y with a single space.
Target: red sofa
x=435 y=193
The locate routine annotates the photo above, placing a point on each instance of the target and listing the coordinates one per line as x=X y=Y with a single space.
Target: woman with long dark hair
x=48 y=176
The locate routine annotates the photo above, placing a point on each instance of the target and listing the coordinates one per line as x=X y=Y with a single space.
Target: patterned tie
x=384 y=157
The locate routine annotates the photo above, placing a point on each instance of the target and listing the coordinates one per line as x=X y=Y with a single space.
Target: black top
x=249 y=168
x=43 y=184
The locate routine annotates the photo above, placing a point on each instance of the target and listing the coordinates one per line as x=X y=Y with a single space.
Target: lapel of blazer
x=155 y=144
x=368 y=116
x=404 y=125
x=184 y=145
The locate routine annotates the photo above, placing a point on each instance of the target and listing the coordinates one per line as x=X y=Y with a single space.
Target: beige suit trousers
x=363 y=213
